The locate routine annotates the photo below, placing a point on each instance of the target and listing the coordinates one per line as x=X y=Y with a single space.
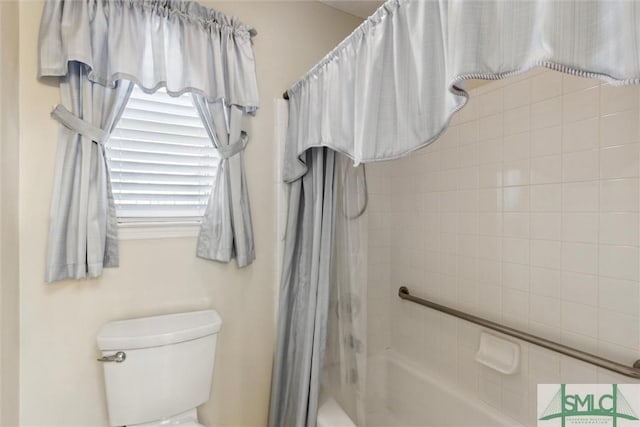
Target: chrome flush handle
x=119 y=357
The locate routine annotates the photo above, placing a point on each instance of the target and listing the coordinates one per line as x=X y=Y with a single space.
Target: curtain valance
x=392 y=86
x=178 y=44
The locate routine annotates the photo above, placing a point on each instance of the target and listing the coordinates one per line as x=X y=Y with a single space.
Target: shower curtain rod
x=629 y=371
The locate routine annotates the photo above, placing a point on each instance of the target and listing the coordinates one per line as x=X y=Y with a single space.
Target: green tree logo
x=564 y=405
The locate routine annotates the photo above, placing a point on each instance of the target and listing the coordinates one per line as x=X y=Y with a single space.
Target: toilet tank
x=167 y=367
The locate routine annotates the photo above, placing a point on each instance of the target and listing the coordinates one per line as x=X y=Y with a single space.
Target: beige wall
x=9 y=359
x=60 y=382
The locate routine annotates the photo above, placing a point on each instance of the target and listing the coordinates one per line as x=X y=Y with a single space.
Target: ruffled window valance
x=178 y=44
x=392 y=86
x=100 y=49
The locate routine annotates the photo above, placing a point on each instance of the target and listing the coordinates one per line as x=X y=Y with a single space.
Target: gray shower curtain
x=392 y=86
x=304 y=294
x=344 y=376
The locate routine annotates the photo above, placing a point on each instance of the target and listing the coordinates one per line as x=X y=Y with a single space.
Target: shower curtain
x=393 y=85
x=391 y=88
x=321 y=334
x=304 y=295
x=345 y=365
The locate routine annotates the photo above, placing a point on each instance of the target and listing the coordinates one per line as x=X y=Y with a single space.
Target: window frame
x=136 y=228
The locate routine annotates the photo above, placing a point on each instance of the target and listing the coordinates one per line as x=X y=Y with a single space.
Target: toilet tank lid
x=157 y=331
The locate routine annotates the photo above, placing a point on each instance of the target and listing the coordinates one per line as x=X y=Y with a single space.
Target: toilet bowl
x=186 y=419
x=157 y=370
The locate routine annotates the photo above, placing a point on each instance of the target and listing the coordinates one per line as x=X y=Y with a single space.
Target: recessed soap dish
x=498 y=354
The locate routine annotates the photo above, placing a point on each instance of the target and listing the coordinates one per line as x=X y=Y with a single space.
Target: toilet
x=157 y=370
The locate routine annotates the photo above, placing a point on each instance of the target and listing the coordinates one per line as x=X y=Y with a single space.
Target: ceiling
x=360 y=8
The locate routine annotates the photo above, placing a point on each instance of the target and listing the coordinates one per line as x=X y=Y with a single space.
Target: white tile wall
x=526 y=211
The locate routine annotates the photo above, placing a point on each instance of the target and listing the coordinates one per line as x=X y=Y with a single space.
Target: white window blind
x=161 y=160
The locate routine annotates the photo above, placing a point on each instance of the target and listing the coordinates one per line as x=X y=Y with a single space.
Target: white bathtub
x=405 y=395
x=402 y=394
x=330 y=414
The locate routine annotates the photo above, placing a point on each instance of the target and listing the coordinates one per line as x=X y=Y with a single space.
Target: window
x=161 y=160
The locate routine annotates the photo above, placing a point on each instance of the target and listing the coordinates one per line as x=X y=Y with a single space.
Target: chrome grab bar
x=629 y=371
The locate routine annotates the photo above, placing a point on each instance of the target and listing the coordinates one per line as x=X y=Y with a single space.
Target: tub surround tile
x=619 y=128
x=546 y=253
x=546 y=113
x=618 y=328
x=622 y=161
x=546 y=170
x=516 y=224
x=614 y=99
x=619 y=229
x=526 y=212
x=547 y=141
x=580 y=196
x=571 y=83
x=580 y=166
x=546 y=282
x=516 y=147
x=490 y=103
x=490 y=127
x=546 y=226
x=515 y=276
x=490 y=150
x=545 y=310
x=490 y=175
x=516 y=120
x=580 y=288
x=516 y=199
x=516 y=172
x=619 y=262
x=580 y=319
x=576 y=371
x=546 y=198
x=619 y=295
x=580 y=227
x=581 y=105
x=580 y=257
x=619 y=195
x=546 y=85
x=517 y=94
x=581 y=135
x=515 y=250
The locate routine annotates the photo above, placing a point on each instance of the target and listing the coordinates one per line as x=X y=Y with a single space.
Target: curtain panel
x=99 y=49
x=345 y=361
x=304 y=295
x=392 y=86
x=83 y=231
x=226 y=230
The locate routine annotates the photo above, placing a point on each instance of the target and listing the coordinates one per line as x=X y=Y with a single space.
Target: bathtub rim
x=431 y=376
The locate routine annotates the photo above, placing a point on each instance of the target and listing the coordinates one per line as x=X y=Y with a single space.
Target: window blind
x=161 y=160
